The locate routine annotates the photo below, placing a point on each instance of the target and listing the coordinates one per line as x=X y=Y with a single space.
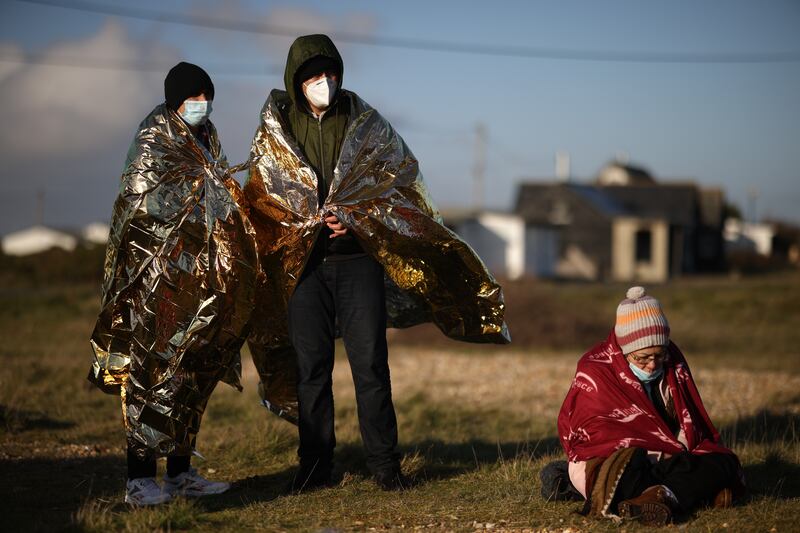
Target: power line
x=133 y=65
x=426 y=44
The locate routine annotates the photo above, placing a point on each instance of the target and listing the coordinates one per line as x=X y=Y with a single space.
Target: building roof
x=677 y=203
x=545 y=202
x=617 y=173
x=602 y=202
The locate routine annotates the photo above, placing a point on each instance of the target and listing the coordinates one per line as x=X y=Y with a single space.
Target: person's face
x=199 y=98
x=648 y=359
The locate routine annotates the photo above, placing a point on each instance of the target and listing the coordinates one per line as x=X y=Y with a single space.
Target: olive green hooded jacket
x=319 y=139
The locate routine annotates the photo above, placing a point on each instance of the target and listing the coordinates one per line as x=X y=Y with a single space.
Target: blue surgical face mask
x=195 y=112
x=645 y=376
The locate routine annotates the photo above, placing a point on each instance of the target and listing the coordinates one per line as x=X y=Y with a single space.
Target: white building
x=507 y=244
x=96 y=233
x=37 y=239
x=748 y=236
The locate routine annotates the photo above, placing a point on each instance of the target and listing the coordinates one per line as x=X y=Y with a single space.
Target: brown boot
x=723 y=499
x=651 y=507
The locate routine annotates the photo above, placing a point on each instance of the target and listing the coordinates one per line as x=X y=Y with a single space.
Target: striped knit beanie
x=640 y=322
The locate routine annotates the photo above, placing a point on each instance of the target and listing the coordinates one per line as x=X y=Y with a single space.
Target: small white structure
x=37 y=239
x=748 y=236
x=95 y=233
x=507 y=244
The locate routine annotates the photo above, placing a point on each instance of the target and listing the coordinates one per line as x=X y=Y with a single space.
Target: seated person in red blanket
x=639 y=441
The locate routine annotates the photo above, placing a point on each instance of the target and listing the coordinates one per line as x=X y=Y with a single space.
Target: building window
x=644 y=251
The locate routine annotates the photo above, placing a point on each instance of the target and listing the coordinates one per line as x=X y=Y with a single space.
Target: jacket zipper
x=321 y=157
x=324 y=182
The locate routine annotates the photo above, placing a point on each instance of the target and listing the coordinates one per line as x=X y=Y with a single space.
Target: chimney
x=562 y=166
x=479 y=166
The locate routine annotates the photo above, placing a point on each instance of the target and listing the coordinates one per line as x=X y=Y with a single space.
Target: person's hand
x=335 y=226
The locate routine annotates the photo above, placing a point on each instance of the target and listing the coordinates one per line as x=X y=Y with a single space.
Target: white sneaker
x=191 y=484
x=145 y=491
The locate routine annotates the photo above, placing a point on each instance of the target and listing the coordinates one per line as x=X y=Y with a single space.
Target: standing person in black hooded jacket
x=340 y=286
x=177 y=291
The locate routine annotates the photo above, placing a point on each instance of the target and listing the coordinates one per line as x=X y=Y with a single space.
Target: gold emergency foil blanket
x=378 y=193
x=179 y=285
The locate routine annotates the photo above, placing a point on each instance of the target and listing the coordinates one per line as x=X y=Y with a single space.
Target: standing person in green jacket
x=341 y=285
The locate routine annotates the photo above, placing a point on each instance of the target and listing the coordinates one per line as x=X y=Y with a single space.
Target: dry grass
x=751 y=322
x=475 y=426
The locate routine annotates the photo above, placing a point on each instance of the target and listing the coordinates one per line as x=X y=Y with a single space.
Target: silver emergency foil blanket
x=179 y=285
x=378 y=193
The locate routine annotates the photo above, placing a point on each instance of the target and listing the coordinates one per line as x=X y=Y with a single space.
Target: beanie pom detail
x=634 y=293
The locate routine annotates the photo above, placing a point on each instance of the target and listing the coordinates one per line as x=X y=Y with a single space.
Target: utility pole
x=752 y=197
x=40 y=207
x=479 y=166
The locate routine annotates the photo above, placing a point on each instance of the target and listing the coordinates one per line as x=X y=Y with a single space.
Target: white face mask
x=320 y=92
x=195 y=112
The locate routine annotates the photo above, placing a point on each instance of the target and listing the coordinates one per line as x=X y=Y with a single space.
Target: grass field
x=476 y=422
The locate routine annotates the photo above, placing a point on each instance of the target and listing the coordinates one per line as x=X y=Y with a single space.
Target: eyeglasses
x=649 y=358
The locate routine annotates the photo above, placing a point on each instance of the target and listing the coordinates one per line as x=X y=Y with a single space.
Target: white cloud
x=53 y=110
x=307 y=21
x=304 y=20
x=269 y=50
x=65 y=129
x=11 y=58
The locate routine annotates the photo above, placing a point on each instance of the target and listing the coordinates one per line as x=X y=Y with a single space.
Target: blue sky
x=734 y=125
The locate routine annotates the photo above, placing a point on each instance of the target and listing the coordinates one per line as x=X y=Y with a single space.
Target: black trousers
x=139 y=468
x=694 y=479
x=349 y=292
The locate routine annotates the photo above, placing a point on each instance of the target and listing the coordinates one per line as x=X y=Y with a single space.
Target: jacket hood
x=302 y=50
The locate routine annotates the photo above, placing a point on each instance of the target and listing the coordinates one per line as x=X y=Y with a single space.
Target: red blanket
x=607 y=408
